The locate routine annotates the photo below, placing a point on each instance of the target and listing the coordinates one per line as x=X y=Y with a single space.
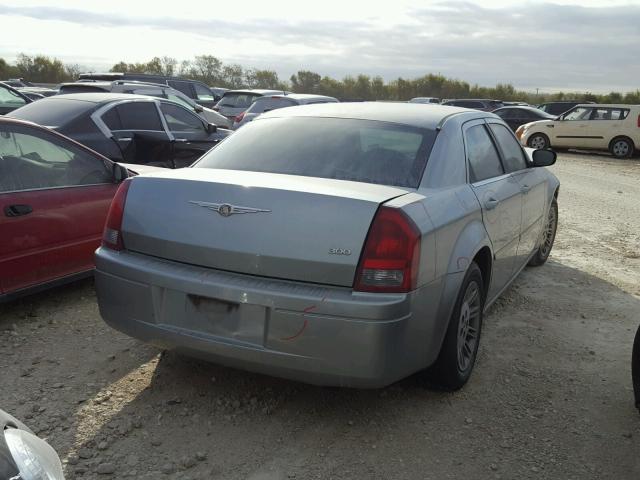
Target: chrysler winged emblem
x=226 y=209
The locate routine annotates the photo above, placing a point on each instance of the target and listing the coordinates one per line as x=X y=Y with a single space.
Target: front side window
x=578 y=114
x=511 y=151
x=337 y=148
x=10 y=99
x=33 y=160
x=180 y=120
x=482 y=155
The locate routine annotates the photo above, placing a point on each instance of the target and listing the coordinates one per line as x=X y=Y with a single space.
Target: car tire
x=635 y=368
x=538 y=141
x=621 y=147
x=459 y=349
x=548 y=236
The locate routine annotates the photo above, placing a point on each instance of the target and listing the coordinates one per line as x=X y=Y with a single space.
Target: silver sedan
x=336 y=244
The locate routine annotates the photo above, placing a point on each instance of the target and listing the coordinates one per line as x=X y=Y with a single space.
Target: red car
x=54 y=198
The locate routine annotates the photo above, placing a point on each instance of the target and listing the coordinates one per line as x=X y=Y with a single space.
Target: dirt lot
x=550 y=397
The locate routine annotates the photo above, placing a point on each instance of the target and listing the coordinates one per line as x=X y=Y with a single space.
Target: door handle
x=181 y=140
x=491 y=203
x=125 y=139
x=17 y=210
x=525 y=188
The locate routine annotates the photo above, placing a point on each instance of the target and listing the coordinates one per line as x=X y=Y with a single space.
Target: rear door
x=190 y=136
x=54 y=198
x=500 y=198
x=532 y=183
x=604 y=124
x=138 y=129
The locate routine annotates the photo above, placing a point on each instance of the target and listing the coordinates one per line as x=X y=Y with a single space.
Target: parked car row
x=251 y=233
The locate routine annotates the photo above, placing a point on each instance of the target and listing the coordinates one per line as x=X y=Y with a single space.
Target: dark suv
x=558 y=108
x=193 y=89
x=476 y=104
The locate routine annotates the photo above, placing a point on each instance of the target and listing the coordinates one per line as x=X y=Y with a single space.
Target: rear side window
x=609 y=113
x=344 y=149
x=511 y=151
x=139 y=116
x=112 y=120
x=266 y=104
x=482 y=156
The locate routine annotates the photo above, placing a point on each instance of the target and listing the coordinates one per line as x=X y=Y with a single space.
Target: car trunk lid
x=272 y=225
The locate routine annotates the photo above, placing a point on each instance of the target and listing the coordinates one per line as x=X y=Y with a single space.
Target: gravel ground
x=551 y=395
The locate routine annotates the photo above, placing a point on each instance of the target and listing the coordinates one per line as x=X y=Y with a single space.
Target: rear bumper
x=315 y=334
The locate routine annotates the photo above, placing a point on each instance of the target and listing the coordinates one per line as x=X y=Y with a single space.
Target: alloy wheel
x=537 y=142
x=621 y=148
x=548 y=234
x=469 y=326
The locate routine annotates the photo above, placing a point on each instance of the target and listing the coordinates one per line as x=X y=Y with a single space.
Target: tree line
x=212 y=71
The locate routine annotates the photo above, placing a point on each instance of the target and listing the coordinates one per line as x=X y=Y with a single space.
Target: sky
x=586 y=45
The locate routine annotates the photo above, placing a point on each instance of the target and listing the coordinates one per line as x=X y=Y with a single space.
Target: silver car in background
x=336 y=244
x=274 y=102
x=234 y=102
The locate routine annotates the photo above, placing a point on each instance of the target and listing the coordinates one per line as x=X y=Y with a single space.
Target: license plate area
x=240 y=321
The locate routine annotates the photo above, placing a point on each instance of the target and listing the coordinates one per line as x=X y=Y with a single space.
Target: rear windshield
x=81 y=88
x=265 y=104
x=237 y=100
x=52 y=112
x=344 y=149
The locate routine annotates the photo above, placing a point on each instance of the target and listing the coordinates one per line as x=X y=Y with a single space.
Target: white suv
x=599 y=127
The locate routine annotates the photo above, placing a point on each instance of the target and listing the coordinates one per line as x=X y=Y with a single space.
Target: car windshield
x=344 y=149
x=52 y=112
x=237 y=100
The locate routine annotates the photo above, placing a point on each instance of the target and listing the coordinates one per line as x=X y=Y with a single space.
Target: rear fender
x=471 y=240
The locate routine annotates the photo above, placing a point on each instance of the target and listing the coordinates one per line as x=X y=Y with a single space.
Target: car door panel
x=54 y=198
x=572 y=130
x=500 y=200
x=56 y=239
x=534 y=199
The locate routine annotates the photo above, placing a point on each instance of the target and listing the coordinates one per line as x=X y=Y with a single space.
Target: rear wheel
x=460 y=347
x=548 y=236
x=621 y=147
x=538 y=141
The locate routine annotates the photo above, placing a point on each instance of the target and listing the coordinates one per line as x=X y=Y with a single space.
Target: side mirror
x=543 y=158
x=211 y=128
x=198 y=108
x=119 y=173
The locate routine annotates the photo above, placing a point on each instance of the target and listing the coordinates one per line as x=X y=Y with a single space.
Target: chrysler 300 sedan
x=335 y=244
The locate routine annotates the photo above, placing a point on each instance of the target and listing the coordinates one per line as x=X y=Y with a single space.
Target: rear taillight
x=112 y=235
x=239 y=118
x=391 y=254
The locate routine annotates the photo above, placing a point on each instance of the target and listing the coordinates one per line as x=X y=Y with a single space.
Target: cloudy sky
x=563 y=44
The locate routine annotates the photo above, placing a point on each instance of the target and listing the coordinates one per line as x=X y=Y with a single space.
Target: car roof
x=101 y=97
x=303 y=96
x=412 y=114
x=606 y=105
x=257 y=91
